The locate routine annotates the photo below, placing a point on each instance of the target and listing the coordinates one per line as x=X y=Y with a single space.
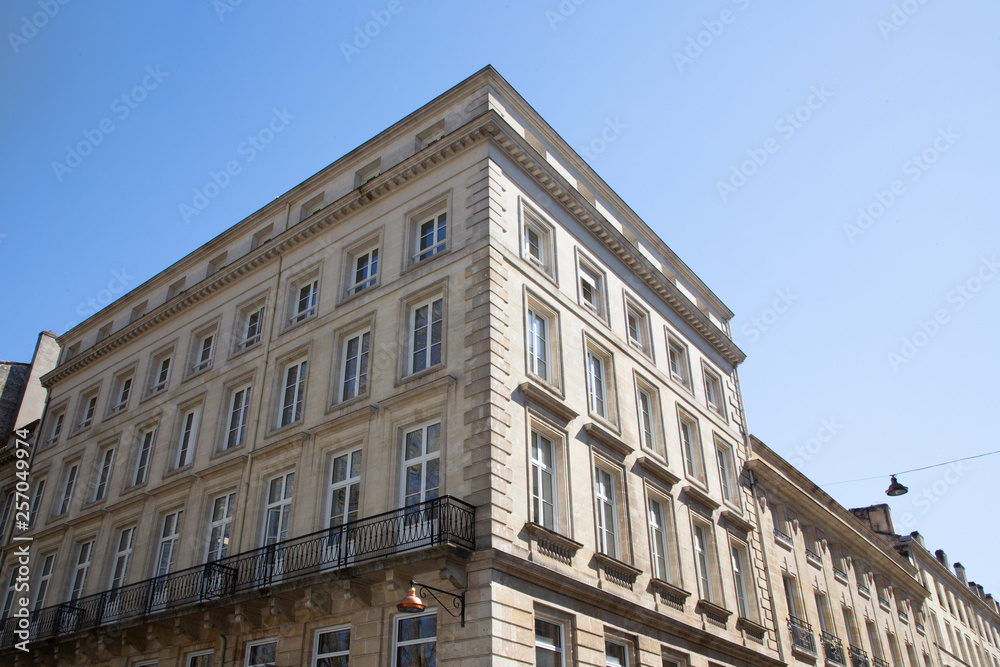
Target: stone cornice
x=658 y=470
x=543 y=397
x=607 y=439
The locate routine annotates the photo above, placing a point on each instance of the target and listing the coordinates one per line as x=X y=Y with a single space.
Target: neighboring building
x=842 y=593
x=964 y=618
x=455 y=355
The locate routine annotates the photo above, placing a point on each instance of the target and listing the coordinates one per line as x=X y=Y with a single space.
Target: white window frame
x=718 y=404
x=538 y=344
x=304 y=300
x=397 y=644
x=44 y=580
x=679 y=362
x=354 y=375
x=8 y=600
x=170 y=535
x=660 y=523
x=88 y=410
x=220 y=527
x=557 y=649
x=725 y=459
x=188 y=441
x=204 y=351
x=124 y=383
x=37 y=495
x=626 y=650
x=291 y=407
x=123 y=558
x=144 y=457
x=427 y=351
x=251 y=325
x=540 y=471
x=363 y=268
x=437 y=240
x=640 y=335
x=649 y=416
x=237 y=416
x=598 y=366
x=742 y=581
x=317 y=656
x=190 y=658
x=260 y=642
x=84 y=558
x=161 y=368
x=702 y=539
x=423 y=459
x=531 y=223
x=606 y=512
x=691 y=446
x=591 y=280
x=105 y=467
x=56 y=427
x=69 y=486
x=349 y=484
x=280 y=509
x=8 y=504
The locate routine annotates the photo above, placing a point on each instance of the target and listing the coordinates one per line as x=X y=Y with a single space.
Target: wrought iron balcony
x=920 y=627
x=813 y=557
x=879 y=662
x=438 y=521
x=840 y=574
x=858 y=657
x=903 y=616
x=833 y=648
x=781 y=536
x=864 y=590
x=802 y=634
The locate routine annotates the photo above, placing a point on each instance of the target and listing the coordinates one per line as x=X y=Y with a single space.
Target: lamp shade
x=411 y=604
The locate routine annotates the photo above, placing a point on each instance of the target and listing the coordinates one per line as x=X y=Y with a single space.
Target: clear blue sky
x=749 y=153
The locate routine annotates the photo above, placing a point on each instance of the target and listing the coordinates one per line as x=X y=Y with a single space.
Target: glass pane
x=334 y=642
x=414 y=445
x=433 y=438
x=420 y=627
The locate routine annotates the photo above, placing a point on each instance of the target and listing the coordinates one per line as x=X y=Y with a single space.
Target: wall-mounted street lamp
x=895 y=488
x=412 y=604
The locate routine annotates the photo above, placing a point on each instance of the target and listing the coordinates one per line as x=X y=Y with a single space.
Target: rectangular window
x=56 y=429
x=8 y=600
x=203 y=353
x=8 y=504
x=538 y=345
x=294 y=393
x=122 y=392
x=432 y=236
x=650 y=417
x=658 y=541
x=68 y=487
x=678 y=358
x=44 y=580
x=355 y=365
x=36 y=501
x=345 y=488
x=219 y=527
x=189 y=438
x=616 y=654
x=161 y=376
x=426 y=334
x=253 y=325
x=199 y=659
x=740 y=575
x=607 y=513
x=304 y=305
x=727 y=474
x=364 y=270
x=88 y=411
x=169 y=537
x=415 y=641
x=83 y=557
x=421 y=476
x=262 y=653
x=239 y=411
x=333 y=645
x=278 y=512
x=713 y=393
x=702 y=561
x=145 y=455
x=691 y=447
x=549 y=644
x=592 y=290
x=104 y=474
x=537 y=242
x=596 y=392
x=123 y=557
x=543 y=481
x=791 y=597
x=637 y=326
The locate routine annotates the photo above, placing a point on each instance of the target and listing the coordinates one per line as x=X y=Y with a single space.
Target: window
x=607 y=513
x=549 y=644
x=88 y=407
x=432 y=236
x=261 y=237
x=703 y=560
x=791 y=597
x=262 y=653
x=357 y=348
x=68 y=486
x=169 y=536
x=658 y=541
x=219 y=527
x=596 y=391
x=123 y=557
x=741 y=581
x=345 y=488
x=175 y=288
x=367 y=172
x=304 y=300
x=55 y=429
x=251 y=324
x=188 y=439
x=852 y=633
x=122 y=392
x=637 y=326
x=216 y=265
x=691 y=447
x=677 y=355
x=591 y=289
x=312 y=206
x=293 y=393
x=616 y=654
x=536 y=241
x=36 y=501
x=203 y=352
x=415 y=640
x=8 y=600
x=650 y=422
x=44 y=580
x=138 y=312
x=873 y=639
x=161 y=373
x=199 y=659
x=538 y=345
x=8 y=503
x=333 y=645
x=145 y=454
x=426 y=334
x=239 y=410
x=84 y=554
x=278 y=512
x=713 y=393
x=104 y=331
x=107 y=461
x=428 y=136
x=421 y=464
x=364 y=269
x=727 y=472
x=543 y=481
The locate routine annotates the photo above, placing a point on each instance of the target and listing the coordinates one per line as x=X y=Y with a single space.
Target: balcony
x=839 y=575
x=864 y=590
x=781 y=538
x=920 y=627
x=903 y=616
x=833 y=648
x=814 y=557
x=879 y=662
x=858 y=657
x=444 y=520
x=802 y=635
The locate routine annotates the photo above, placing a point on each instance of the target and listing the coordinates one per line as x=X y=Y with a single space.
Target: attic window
x=216 y=264
x=138 y=311
x=430 y=135
x=104 y=331
x=261 y=237
x=175 y=289
x=367 y=172
x=72 y=351
x=311 y=206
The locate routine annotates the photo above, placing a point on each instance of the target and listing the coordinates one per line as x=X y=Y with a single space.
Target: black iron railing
x=903 y=616
x=802 y=634
x=858 y=657
x=439 y=521
x=833 y=648
x=879 y=662
x=813 y=556
x=781 y=536
x=920 y=627
x=863 y=589
x=840 y=574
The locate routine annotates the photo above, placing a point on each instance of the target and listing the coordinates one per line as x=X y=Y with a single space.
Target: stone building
x=453 y=356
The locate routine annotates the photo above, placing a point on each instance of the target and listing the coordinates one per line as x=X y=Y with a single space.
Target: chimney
x=981 y=591
x=960 y=573
x=918 y=538
x=942 y=557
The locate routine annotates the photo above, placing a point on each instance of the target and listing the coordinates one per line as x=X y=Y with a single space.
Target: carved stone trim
x=346 y=420
x=544 y=398
x=713 y=611
x=701 y=498
x=754 y=630
x=674 y=594
x=607 y=439
x=657 y=470
x=616 y=571
x=552 y=544
x=736 y=521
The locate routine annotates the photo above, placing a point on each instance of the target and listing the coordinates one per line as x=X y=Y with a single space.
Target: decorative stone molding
x=736 y=520
x=550 y=402
x=701 y=498
x=656 y=469
x=615 y=571
x=604 y=437
x=672 y=595
x=713 y=612
x=551 y=543
x=753 y=630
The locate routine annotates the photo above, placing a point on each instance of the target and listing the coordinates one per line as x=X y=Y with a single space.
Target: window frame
x=122 y=387
x=255 y=308
x=710 y=377
x=729 y=486
x=44 y=581
x=244 y=389
x=187 y=443
x=361 y=374
x=283 y=506
x=604 y=504
x=366 y=248
x=224 y=525
x=538 y=347
x=624 y=645
x=87 y=409
x=68 y=487
x=105 y=468
x=250 y=645
x=608 y=395
x=532 y=221
x=692 y=448
x=668 y=532
x=316 y=656
x=560 y=650
x=160 y=371
x=538 y=469
x=291 y=407
x=304 y=288
x=350 y=485
x=81 y=569
x=743 y=576
x=652 y=440
x=553 y=378
x=411 y=333
x=55 y=426
x=144 y=454
x=396 y=645
x=37 y=496
x=423 y=458
x=199 y=362
x=436 y=216
x=189 y=658
x=679 y=351
x=644 y=342
x=598 y=286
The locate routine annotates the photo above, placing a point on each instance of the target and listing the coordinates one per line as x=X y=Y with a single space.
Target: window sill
x=752 y=628
x=219 y=453
x=430 y=370
x=551 y=543
x=346 y=405
x=713 y=611
x=239 y=351
x=198 y=373
x=291 y=326
x=177 y=471
x=544 y=397
x=347 y=295
x=615 y=571
x=413 y=265
x=675 y=595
